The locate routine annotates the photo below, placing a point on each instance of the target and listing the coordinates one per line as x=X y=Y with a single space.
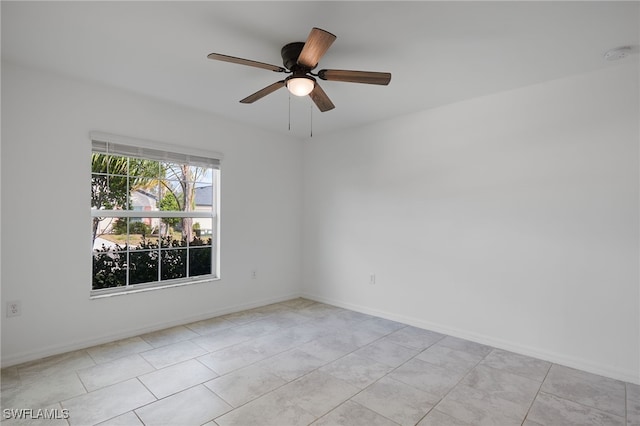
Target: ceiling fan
x=299 y=59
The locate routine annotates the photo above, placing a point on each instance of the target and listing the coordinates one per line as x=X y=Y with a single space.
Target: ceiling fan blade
x=321 y=99
x=368 y=77
x=315 y=47
x=234 y=60
x=263 y=92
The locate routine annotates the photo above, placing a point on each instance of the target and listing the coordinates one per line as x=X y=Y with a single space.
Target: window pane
x=203 y=198
x=108 y=192
x=143 y=201
x=199 y=261
x=143 y=266
x=109 y=164
x=144 y=184
x=153 y=190
x=173 y=264
x=204 y=177
x=199 y=241
x=171 y=198
x=143 y=233
x=178 y=172
x=168 y=228
x=115 y=231
x=103 y=233
x=144 y=171
x=109 y=267
x=202 y=227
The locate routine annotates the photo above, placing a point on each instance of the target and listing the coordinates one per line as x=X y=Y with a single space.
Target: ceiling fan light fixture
x=300 y=86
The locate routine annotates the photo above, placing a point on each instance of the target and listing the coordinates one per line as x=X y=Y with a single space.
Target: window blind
x=140 y=148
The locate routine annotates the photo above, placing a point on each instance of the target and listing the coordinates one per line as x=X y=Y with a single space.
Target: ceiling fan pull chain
x=311 y=131
x=289 y=111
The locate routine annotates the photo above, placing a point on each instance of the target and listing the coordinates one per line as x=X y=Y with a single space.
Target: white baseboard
x=19 y=358
x=556 y=358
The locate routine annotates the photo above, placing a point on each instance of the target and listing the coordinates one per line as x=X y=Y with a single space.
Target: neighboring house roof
x=146 y=193
x=204 y=196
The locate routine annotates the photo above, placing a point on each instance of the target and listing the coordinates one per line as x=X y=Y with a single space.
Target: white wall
x=46 y=151
x=510 y=219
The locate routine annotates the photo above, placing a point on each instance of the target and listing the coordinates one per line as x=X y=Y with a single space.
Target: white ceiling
x=438 y=52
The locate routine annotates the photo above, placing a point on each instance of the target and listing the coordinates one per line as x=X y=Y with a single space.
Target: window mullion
x=159 y=259
x=128 y=252
x=187 y=250
x=151 y=214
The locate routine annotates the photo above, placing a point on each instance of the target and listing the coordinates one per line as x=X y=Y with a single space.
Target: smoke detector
x=618 y=53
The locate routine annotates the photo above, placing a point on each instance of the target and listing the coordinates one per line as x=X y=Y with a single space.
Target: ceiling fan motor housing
x=290 y=53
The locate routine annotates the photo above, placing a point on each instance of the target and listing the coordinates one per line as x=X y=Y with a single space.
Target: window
x=154 y=211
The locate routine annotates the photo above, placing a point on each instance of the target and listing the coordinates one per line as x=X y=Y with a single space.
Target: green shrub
x=120 y=227
x=110 y=266
x=141 y=228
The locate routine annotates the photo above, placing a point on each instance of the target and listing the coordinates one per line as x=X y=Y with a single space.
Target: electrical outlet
x=14 y=309
x=372 y=279
x=254 y=274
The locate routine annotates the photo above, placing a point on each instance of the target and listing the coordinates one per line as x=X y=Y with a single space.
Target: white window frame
x=105 y=143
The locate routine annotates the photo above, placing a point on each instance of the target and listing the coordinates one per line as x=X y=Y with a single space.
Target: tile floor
x=300 y=362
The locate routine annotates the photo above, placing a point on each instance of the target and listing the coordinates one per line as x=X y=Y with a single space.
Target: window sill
x=120 y=291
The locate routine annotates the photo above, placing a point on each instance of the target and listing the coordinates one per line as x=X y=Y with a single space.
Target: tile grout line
x=566 y=398
x=170 y=395
x=137 y=416
x=148 y=390
x=81 y=381
x=67 y=419
x=355 y=402
x=395 y=368
x=585 y=405
x=457 y=383
x=537 y=393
